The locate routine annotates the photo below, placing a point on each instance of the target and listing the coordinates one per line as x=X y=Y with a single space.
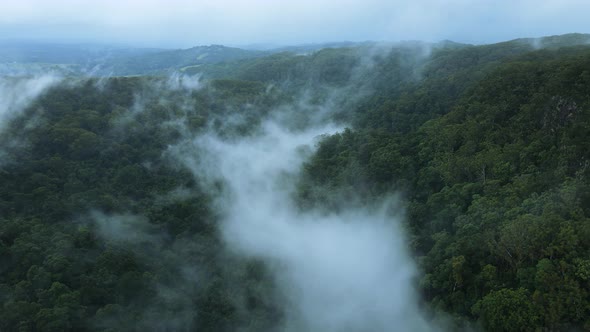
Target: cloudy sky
x=184 y=23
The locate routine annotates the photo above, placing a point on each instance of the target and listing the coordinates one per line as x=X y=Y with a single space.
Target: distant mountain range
x=22 y=58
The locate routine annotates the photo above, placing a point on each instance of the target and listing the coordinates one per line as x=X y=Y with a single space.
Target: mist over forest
x=318 y=186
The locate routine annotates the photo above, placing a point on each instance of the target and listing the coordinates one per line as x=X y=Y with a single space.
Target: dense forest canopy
x=105 y=225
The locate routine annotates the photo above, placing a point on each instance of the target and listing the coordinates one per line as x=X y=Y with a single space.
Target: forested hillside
x=102 y=228
x=493 y=161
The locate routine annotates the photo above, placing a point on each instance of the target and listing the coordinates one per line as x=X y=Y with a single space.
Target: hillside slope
x=486 y=148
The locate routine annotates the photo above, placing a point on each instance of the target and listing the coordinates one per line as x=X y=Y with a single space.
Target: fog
x=173 y=306
x=16 y=94
x=346 y=271
x=184 y=23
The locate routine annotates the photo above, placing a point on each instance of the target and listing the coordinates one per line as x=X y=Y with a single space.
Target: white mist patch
x=178 y=81
x=17 y=93
x=172 y=92
x=342 y=272
x=124 y=228
x=172 y=308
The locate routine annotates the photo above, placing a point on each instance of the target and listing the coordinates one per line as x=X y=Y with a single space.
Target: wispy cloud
x=347 y=271
x=16 y=94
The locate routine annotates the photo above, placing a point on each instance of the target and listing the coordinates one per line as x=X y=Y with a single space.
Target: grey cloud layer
x=187 y=23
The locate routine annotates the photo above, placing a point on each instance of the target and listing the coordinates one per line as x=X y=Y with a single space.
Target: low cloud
x=16 y=94
x=347 y=271
x=178 y=280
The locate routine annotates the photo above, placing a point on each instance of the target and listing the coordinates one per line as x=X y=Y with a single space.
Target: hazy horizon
x=184 y=23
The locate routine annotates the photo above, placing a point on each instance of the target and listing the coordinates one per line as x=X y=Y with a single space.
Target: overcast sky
x=185 y=23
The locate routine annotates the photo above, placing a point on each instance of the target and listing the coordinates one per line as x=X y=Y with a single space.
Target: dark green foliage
x=488 y=146
x=495 y=173
x=327 y=67
x=507 y=310
x=92 y=159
